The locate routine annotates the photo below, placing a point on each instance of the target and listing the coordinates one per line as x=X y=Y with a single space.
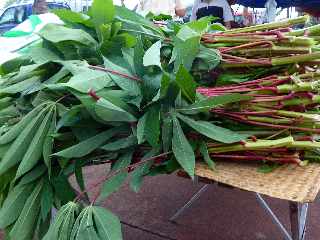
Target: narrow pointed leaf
x=182 y=149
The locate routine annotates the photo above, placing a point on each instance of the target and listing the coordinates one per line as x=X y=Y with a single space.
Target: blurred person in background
x=215 y=8
x=167 y=7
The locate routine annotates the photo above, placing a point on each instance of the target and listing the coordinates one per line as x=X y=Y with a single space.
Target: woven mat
x=289 y=182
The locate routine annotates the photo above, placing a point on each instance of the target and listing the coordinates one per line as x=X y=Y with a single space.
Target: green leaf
x=167 y=134
x=129 y=85
x=89 y=80
x=18 y=128
x=186 y=83
x=212 y=131
x=42 y=55
x=63 y=189
x=141 y=171
x=87 y=146
x=46 y=201
x=68 y=209
x=110 y=112
x=70 y=16
x=152 y=55
x=123 y=161
x=267 y=168
x=33 y=175
x=34 y=152
x=141 y=129
x=108 y=226
x=13 y=205
x=205 y=154
x=21 y=86
x=57 y=34
x=185 y=51
x=19 y=147
x=213 y=102
x=25 y=225
x=79 y=174
x=102 y=12
x=113 y=184
x=182 y=149
x=152 y=128
x=121 y=143
x=48 y=144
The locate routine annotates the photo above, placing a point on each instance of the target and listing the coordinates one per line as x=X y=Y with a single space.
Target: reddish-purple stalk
x=115 y=73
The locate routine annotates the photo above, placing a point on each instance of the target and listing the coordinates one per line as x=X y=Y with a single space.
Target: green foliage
x=109 y=86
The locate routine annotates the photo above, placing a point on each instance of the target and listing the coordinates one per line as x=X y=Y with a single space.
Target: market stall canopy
x=281 y=3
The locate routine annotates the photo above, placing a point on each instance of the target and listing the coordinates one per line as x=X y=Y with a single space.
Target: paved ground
x=220 y=214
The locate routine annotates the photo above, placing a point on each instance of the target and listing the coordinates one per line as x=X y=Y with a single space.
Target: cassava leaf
x=212 y=131
x=186 y=83
x=25 y=225
x=152 y=55
x=182 y=149
x=87 y=146
x=14 y=204
x=108 y=226
x=212 y=102
x=34 y=152
x=102 y=11
x=205 y=154
x=19 y=147
x=121 y=143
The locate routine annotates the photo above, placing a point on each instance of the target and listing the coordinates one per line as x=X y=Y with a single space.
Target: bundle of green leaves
x=107 y=87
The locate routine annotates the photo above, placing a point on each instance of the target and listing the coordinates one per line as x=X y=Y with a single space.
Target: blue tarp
x=281 y=3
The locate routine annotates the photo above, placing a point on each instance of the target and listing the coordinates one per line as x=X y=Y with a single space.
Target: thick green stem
x=296 y=59
x=258 y=145
x=271 y=26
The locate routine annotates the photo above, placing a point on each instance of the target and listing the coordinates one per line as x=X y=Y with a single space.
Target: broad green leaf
x=152 y=127
x=167 y=134
x=185 y=51
x=141 y=129
x=212 y=131
x=89 y=80
x=34 y=152
x=108 y=226
x=186 y=83
x=87 y=146
x=48 y=144
x=182 y=149
x=129 y=85
x=54 y=230
x=210 y=57
x=42 y=55
x=138 y=58
x=21 y=86
x=46 y=201
x=102 y=11
x=13 y=205
x=121 y=143
x=70 y=16
x=33 y=175
x=110 y=112
x=57 y=33
x=19 y=147
x=4 y=149
x=152 y=55
x=113 y=184
x=213 y=102
x=141 y=171
x=205 y=154
x=25 y=225
x=123 y=161
x=63 y=189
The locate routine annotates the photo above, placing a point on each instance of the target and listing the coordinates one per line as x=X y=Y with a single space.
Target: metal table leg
x=298 y=217
x=194 y=198
x=274 y=218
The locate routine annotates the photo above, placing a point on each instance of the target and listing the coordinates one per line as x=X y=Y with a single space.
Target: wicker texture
x=289 y=182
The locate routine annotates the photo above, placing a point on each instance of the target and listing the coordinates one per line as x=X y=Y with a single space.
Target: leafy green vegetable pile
x=107 y=87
